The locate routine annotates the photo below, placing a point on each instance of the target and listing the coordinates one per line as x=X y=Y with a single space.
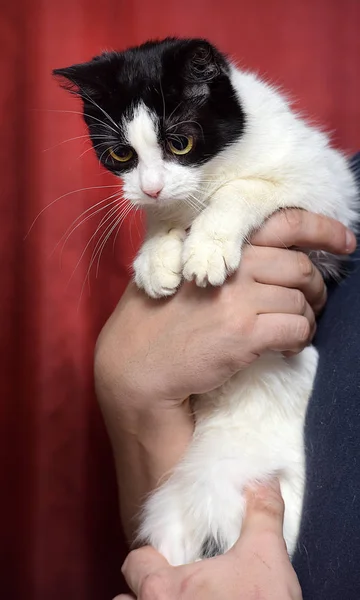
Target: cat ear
x=87 y=80
x=204 y=63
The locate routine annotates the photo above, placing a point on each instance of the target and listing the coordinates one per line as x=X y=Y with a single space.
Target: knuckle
x=273 y=508
x=131 y=558
x=313 y=331
x=305 y=265
x=243 y=327
x=294 y=217
x=296 y=332
x=270 y=502
x=280 y=334
x=299 y=301
x=331 y=233
x=155 y=587
x=303 y=330
x=248 y=258
x=320 y=300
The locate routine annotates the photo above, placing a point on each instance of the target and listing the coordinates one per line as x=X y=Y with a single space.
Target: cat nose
x=153 y=193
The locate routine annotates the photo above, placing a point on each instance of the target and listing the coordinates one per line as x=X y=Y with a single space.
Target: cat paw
x=209 y=261
x=164 y=527
x=158 y=266
x=189 y=519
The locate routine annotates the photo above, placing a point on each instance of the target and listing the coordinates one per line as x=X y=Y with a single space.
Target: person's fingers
x=295 y=227
x=282 y=300
x=264 y=509
x=275 y=266
x=139 y=565
x=276 y=299
x=281 y=332
x=124 y=597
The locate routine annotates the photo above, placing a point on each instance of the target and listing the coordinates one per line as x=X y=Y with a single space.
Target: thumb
x=264 y=508
x=139 y=564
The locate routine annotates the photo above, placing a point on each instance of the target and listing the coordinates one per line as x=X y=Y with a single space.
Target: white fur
x=153 y=173
x=248 y=430
x=252 y=427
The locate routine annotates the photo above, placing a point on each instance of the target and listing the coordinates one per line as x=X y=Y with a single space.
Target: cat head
x=157 y=113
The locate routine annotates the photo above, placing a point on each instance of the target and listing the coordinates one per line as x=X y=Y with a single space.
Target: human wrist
x=146 y=444
x=153 y=420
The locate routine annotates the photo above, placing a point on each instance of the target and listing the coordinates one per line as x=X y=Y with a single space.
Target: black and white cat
x=210 y=152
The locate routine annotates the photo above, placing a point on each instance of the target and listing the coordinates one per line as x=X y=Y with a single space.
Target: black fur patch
x=184 y=81
x=210 y=548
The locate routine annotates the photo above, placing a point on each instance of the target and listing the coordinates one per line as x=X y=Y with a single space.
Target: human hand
x=195 y=341
x=152 y=354
x=257 y=566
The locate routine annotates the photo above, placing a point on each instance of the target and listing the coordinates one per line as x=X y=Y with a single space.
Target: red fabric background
x=60 y=536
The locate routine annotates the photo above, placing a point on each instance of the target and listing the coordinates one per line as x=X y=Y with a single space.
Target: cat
x=210 y=152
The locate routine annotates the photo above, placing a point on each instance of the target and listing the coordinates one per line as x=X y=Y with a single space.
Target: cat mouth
x=161 y=201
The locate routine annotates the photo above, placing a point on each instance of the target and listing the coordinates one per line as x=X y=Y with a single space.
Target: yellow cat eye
x=122 y=155
x=181 y=144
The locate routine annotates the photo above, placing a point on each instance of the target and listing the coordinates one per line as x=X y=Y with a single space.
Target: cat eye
x=122 y=155
x=181 y=144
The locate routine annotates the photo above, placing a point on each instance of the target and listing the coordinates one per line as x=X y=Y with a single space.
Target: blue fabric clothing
x=327 y=559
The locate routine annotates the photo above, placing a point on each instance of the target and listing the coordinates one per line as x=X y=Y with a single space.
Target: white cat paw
x=190 y=518
x=158 y=266
x=209 y=261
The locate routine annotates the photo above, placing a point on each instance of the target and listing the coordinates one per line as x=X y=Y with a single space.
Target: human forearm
x=146 y=445
x=153 y=353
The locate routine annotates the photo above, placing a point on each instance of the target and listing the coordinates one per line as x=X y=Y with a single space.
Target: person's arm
x=257 y=566
x=146 y=444
x=152 y=354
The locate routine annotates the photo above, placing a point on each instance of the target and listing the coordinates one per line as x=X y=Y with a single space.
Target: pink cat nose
x=153 y=193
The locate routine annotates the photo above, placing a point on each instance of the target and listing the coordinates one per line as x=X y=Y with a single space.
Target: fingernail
x=350 y=241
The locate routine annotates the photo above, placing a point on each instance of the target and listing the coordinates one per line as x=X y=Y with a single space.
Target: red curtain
x=60 y=535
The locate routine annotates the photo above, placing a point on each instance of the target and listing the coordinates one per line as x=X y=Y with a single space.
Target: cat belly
x=248 y=430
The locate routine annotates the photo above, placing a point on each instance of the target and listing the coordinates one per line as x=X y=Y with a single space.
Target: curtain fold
x=60 y=533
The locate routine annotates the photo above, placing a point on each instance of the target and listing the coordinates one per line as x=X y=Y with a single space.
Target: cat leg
x=253 y=431
x=158 y=264
x=167 y=526
x=198 y=509
x=212 y=249
x=292 y=480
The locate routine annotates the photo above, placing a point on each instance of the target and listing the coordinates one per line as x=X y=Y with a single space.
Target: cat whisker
x=74 y=225
x=94 y=187
x=78 y=137
x=193 y=202
x=136 y=209
x=248 y=242
x=111 y=210
x=104 y=220
x=198 y=201
x=174 y=136
x=88 y=213
x=175 y=109
x=135 y=212
x=77 y=112
x=163 y=100
x=102 y=154
x=92 y=101
x=92 y=147
x=184 y=122
x=112 y=225
x=117 y=224
x=102 y=241
x=103 y=236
